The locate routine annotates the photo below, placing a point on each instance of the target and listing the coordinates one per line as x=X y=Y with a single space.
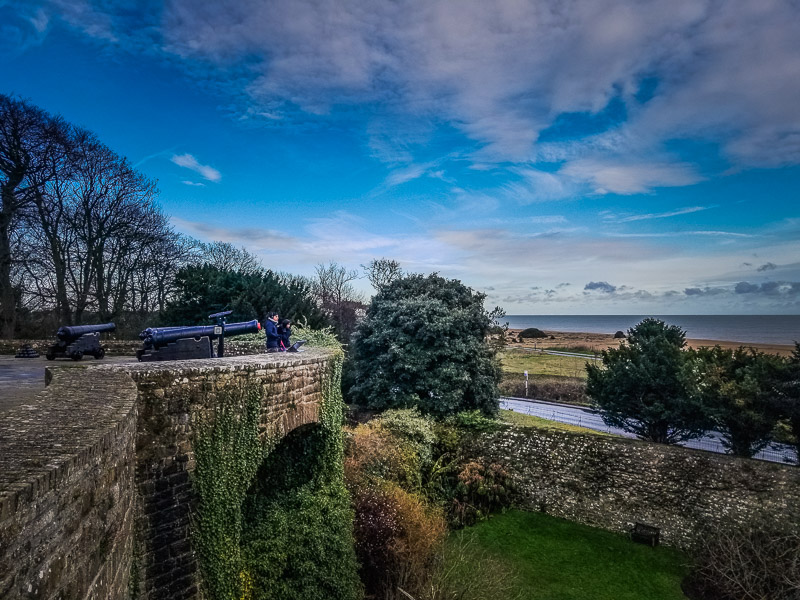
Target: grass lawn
x=554 y=559
x=515 y=418
x=537 y=365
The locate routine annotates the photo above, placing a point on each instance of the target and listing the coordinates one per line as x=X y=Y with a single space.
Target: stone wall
x=233 y=347
x=67 y=489
x=172 y=395
x=610 y=482
x=94 y=474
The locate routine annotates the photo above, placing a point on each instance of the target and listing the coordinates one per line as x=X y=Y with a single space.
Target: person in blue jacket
x=285 y=331
x=271 y=329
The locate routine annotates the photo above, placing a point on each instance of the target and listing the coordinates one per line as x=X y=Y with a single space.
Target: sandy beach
x=601 y=341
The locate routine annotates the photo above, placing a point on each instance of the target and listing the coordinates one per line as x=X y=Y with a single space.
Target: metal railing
x=581 y=417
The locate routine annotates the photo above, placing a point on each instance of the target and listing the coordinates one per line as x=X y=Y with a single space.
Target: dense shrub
x=532 y=332
x=413 y=428
x=398 y=537
x=374 y=454
x=481 y=490
x=759 y=560
x=473 y=420
x=409 y=475
x=423 y=344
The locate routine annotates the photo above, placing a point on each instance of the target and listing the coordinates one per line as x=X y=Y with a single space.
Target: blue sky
x=600 y=157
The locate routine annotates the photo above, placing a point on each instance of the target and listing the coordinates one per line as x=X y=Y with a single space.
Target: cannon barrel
x=69 y=333
x=155 y=337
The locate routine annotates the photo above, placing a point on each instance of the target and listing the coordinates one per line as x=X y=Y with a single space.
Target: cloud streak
x=190 y=162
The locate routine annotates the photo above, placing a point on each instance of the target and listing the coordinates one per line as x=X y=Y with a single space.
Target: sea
x=749 y=329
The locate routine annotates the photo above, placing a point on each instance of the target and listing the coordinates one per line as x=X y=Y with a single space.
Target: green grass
x=543 y=365
x=554 y=559
x=586 y=350
x=514 y=418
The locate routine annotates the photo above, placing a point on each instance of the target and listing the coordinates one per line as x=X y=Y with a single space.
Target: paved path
x=22 y=378
x=586 y=417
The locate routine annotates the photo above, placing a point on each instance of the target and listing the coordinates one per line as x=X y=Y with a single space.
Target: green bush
x=423 y=344
x=473 y=420
x=413 y=428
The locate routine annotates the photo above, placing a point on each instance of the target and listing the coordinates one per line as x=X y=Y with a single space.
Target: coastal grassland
x=553 y=559
x=514 y=418
x=541 y=365
x=550 y=377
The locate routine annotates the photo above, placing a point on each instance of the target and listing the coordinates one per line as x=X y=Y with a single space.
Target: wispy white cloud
x=617 y=177
x=190 y=162
x=193 y=183
x=664 y=215
x=668 y=234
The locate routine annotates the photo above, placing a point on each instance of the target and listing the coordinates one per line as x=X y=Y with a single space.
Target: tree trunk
x=8 y=304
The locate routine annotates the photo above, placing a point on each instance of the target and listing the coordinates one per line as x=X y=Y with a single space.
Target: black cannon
x=73 y=341
x=180 y=343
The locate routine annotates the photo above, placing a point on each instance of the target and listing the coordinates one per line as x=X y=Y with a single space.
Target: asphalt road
x=584 y=417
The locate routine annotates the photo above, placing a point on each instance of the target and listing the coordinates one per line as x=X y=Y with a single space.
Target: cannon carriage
x=76 y=341
x=183 y=343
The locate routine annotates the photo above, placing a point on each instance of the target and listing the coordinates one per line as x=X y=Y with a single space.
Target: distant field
x=553 y=559
x=543 y=365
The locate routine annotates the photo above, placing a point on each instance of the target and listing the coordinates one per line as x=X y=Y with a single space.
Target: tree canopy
x=205 y=289
x=423 y=344
x=738 y=388
x=645 y=387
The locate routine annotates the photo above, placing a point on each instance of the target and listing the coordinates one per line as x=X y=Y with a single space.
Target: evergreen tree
x=206 y=289
x=644 y=386
x=423 y=343
x=739 y=388
x=789 y=395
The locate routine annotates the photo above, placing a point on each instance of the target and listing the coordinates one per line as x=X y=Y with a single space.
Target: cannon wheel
x=50 y=356
x=76 y=355
x=100 y=353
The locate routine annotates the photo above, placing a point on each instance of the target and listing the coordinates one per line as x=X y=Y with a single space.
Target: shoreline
x=603 y=341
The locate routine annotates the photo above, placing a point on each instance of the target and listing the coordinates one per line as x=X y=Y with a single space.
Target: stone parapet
x=67 y=489
x=95 y=489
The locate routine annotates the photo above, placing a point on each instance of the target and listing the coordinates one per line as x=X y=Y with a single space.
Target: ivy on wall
x=228 y=453
x=274 y=521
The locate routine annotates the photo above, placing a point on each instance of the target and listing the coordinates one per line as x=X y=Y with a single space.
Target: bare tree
x=227 y=257
x=29 y=138
x=382 y=271
x=338 y=297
